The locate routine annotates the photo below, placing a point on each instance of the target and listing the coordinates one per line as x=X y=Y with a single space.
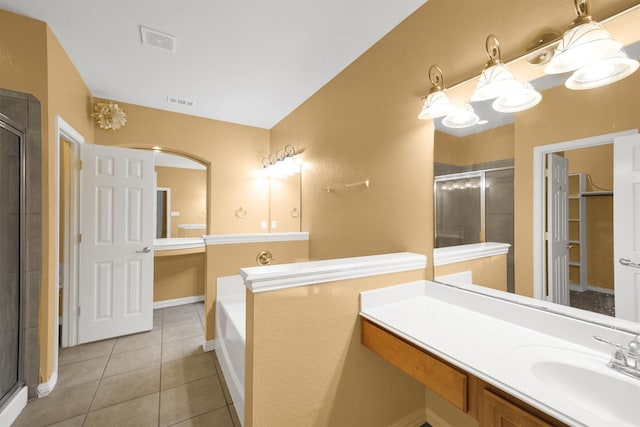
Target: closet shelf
x=597 y=193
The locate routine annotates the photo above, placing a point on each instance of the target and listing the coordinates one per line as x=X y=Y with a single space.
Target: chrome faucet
x=625 y=359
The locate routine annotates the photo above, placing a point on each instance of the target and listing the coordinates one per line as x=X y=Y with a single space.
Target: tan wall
x=234 y=154
x=600 y=261
x=305 y=365
x=595 y=161
x=488 y=146
x=188 y=195
x=563 y=115
x=489 y=271
x=34 y=62
x=226 y=260
x=178 y=276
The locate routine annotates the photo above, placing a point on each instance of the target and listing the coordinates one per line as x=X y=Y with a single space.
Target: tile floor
x=156 y=378
x=593 y=301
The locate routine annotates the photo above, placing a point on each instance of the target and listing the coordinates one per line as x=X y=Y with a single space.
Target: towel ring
x=241 y=212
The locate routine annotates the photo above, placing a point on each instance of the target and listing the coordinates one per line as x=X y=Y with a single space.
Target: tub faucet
x=625 y=359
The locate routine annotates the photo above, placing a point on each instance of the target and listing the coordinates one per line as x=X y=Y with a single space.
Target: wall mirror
x=481 y=172
x=285 y=199
x=181 y=196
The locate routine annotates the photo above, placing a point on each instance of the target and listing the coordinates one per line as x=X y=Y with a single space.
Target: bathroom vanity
x=499 y=360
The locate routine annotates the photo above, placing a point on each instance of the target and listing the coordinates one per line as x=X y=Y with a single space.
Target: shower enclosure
x=475 y=207
x=20 y=250
x=11 y=258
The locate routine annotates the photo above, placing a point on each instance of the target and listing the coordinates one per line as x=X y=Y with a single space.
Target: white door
x=115 y=289
x=557 y=229
x=626 y=226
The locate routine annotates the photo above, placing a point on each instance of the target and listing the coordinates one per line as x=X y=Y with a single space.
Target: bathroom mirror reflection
x=508 y=142
x=181 y=196
x=285 y=203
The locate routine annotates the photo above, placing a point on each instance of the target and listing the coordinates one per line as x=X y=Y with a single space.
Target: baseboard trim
x=15 y=406
x=416 y=418
x=177 y=301
x=45 y=389
x=209 y=345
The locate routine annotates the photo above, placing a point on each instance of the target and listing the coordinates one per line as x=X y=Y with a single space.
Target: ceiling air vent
x=179 y=101
x=158 y=39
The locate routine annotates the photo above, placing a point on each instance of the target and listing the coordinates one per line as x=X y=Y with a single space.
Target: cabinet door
x=498 y=412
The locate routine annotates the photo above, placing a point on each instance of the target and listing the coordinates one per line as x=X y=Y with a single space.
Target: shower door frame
x=15 y=129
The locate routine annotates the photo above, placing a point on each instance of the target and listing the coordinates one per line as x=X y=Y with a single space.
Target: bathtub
x=231 y=336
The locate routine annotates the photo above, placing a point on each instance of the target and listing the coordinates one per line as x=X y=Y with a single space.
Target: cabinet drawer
x=498 y=412
x=447 y=381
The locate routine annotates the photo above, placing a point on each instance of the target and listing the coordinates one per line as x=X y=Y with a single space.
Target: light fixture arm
x=583 y=10
x=492 y=45
x=436 y=78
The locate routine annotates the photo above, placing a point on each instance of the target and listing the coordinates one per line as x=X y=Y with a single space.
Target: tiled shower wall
x=24 y=110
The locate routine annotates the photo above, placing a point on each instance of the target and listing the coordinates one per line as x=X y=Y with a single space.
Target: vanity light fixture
x=436 y=104
x=603 y=72
x=496 y=79
x=282 y=163
x=518 y=99
x=461 y=117
x=585 y=42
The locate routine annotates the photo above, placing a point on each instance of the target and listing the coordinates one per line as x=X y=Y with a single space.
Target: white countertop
x=228 y=239
x=452 y=254
x=494 y=340
x=174 y=243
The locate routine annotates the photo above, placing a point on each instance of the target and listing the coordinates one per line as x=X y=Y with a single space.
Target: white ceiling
x=241 y=61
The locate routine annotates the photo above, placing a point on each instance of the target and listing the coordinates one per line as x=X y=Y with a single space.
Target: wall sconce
x=436 y=104
x=588 y=49
x=282 y=163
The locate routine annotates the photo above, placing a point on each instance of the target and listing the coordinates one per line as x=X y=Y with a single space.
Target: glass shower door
x=10 y=260
x=459 y=210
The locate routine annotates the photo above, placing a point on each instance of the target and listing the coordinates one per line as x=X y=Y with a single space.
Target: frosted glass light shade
x=461 y=117
x=580 y=46
x=603 y=72
x=494 y=81
x=436 y=104
x=519 y=99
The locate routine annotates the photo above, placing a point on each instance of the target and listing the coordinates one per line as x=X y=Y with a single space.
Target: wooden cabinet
x=487 y=404
x=447 y=381
x=498 y=412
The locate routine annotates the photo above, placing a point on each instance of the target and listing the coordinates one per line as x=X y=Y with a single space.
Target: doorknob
x=570 y=246
x=628 y=263
x=144 y=250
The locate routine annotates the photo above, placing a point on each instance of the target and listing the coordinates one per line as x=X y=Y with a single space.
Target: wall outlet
x=274 y=224
x=175 y=213
x=263 y=224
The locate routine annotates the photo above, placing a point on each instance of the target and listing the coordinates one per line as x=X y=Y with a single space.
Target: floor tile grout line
x=99 y=382
x=120 y=403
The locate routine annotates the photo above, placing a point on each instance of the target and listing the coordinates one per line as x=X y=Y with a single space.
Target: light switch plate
x=175 y=213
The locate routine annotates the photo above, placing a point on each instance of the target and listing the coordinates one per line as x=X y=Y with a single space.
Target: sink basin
x=584 y=381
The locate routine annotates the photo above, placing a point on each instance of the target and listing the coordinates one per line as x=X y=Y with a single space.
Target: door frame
x=70 y=283
x=539 y=197
x=167 y=207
